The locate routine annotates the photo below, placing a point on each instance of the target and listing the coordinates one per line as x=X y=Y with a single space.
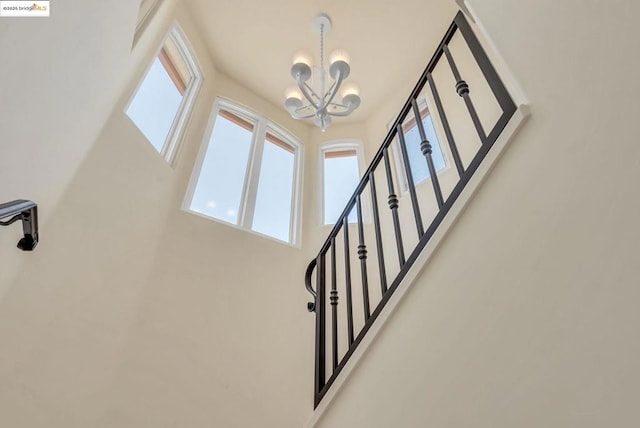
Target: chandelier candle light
x=320 y=95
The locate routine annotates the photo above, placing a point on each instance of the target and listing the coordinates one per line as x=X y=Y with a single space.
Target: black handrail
x=311 y=306
x=27 y=211
x=328 y=249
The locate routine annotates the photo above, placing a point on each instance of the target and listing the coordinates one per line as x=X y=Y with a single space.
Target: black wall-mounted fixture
x=27 y=211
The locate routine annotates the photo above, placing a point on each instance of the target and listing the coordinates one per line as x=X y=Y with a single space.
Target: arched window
x=163 y=101
x=248 y=174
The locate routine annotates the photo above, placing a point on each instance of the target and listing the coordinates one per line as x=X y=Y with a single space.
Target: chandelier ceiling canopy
x=316 y=93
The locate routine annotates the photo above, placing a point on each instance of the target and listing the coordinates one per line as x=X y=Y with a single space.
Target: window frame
x=401 y=176
x=175 y=135
x=338 y=146
x=246 y=211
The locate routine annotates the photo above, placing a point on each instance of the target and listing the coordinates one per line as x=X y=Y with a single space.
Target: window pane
x=272 y=214
x=221 y=182
x=155 y=105
x=419 y=168
x=341 y=177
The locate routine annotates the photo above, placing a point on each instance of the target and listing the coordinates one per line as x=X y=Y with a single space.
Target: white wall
x=527 y=315
x=221 y=334
x=133 y=313
x=57 y=90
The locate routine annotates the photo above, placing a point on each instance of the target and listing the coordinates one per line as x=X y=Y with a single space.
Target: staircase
x=417 y=181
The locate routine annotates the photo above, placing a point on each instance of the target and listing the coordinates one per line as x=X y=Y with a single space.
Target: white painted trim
x=421 y=262
x=463 y=7
x=178 y=128
x=252 y=173
x=252 y=176
x=143 y=22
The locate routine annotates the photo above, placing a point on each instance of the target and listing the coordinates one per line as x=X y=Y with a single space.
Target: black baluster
x=393 y=206
x=320 y=325
x=333 y=298
x=347 y=273
x=362 y=255
x=445 y=124
x=425 y=148
x=410 y=183
x=463 y=90
x=376 y=227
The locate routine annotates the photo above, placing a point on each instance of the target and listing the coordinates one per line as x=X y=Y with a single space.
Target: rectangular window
x=164 y=99
x=417 y=161
x=220 y=186
x=155 y=105
x=341 y=176
x=272 y=215
x=249 y=175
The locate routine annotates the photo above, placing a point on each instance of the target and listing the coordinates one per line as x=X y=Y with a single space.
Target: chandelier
x=315 y=94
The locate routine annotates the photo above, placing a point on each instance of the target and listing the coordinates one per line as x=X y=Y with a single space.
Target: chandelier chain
x=322 y=45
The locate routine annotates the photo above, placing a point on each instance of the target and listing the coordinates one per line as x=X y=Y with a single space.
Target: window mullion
x=253 y=175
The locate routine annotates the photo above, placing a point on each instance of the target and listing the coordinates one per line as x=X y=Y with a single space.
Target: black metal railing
x=404 y=222
x=27 y=212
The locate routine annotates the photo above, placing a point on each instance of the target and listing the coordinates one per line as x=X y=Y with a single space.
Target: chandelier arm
x=305 y=92
x=312 y=92
x=346 y=112
x=327 y=94
x=306 y=116
x=341 y=113
x=298 y=115
x=335 y=88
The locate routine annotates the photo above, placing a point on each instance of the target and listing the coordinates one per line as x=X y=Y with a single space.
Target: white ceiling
x=389 y=41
